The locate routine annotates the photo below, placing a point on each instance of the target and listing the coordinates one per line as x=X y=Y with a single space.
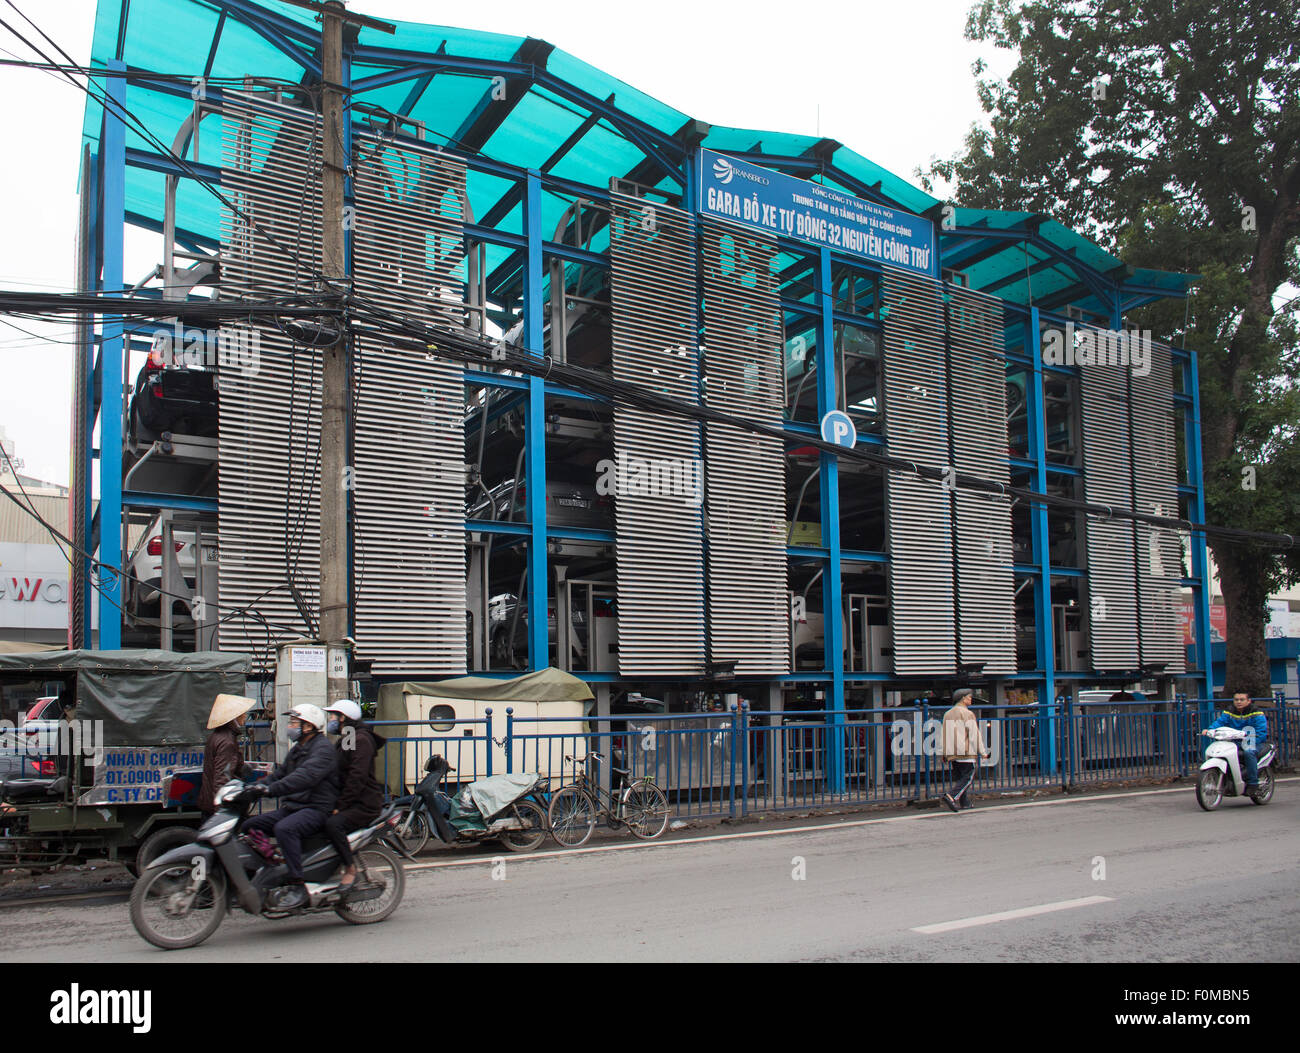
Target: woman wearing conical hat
x=222 y=760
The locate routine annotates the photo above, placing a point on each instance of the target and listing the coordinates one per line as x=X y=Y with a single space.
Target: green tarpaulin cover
x=545 y=685
x=143 y=697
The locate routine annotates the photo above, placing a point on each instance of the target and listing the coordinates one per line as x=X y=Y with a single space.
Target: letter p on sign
x=837 y=428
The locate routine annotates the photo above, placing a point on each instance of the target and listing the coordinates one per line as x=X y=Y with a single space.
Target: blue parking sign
x=838 y=428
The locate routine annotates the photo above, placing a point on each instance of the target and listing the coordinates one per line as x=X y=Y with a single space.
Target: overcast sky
x=891 y=81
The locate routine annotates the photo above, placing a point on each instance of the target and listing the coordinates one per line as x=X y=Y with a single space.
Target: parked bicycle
x=638 y=804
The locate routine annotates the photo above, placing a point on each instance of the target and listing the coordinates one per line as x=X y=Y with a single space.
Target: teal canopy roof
x=561 y=115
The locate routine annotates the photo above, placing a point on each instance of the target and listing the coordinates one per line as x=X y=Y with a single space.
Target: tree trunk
x=1244 y=595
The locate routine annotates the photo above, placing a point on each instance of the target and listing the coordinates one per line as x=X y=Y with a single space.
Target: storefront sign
x=33 y=587
x=134 y=775
x=795 y=208
x=1218 y=623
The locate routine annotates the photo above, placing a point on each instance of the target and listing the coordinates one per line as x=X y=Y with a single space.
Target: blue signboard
x=795 y=208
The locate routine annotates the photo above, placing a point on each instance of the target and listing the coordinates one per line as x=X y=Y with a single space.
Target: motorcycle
x=1221 y=775
x=516 y=814
x=181 y=899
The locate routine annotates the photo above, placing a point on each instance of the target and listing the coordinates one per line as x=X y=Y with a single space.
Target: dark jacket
x=308 y=778
x=221 y=763
x=360 y=789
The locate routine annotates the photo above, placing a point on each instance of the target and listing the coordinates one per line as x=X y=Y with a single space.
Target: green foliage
x=1169 y=131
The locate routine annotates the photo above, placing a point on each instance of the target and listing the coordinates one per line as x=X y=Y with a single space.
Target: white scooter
x=1221 y=776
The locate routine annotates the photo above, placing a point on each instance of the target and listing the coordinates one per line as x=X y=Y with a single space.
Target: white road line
x=523 y=857
x=1010 y=915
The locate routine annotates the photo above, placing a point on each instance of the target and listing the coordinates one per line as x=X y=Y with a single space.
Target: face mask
x=295 y=734
x=332 y=727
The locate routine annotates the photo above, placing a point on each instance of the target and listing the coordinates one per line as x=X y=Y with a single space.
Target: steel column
x=112 y=364
x=1044 y=627
x=1200 y=557
x=535 y=428
x=828 y=480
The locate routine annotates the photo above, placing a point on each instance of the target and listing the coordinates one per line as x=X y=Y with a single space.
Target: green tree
x=1169 y=131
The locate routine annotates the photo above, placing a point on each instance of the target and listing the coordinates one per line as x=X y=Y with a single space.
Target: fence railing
x=745 y=760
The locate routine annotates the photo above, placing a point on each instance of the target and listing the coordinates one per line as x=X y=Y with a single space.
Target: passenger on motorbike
x=1240 y=716
x=361 y=798
x=308 y=783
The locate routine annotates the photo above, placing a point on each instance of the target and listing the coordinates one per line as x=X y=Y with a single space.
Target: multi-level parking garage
x=714 y=538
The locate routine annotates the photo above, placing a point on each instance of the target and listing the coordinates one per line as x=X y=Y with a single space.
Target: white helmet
x=347 y=707
x=313 y=715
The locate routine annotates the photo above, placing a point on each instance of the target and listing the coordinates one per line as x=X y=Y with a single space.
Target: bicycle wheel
x=572 y=816
x=645 y=810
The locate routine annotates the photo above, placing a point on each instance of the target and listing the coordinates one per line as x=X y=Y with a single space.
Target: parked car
x=146 y=566
x=38 y=733
x=173 y=399
x=19 y=765
x=569 y=503
x=509 y=634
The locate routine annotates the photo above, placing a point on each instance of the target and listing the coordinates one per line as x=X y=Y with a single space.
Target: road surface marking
x=521 y=857
x=1010 y=915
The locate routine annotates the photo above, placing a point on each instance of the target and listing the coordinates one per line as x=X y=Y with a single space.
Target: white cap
x=347 y=707
x=313 y=715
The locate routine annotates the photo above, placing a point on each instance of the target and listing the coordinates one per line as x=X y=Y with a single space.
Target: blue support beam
x=535 y=429
x=829 y=482
x=88 y=279
x=112 y=364
x=1044 y=629
x=1200 y=550
x=175 y=502
x=151 y=161
x=278 y=30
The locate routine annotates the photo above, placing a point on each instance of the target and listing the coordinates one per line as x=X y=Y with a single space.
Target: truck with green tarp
x=131 y=719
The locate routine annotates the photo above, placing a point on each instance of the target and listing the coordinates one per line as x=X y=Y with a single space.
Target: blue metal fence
x=753 y=761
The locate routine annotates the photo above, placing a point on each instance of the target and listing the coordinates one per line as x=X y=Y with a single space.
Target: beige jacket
x=961 y=735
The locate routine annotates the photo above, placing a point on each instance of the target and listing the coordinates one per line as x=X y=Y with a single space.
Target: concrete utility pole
x=336 y=379
x=336 y=385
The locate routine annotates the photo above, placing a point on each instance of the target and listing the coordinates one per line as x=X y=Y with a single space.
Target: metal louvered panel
x=409 y=496
x=1107 y=466
x=748 y=602
x=660 y=540
x=985 y=582
x=919 y=527
x=1155 y=488
x=270 y=414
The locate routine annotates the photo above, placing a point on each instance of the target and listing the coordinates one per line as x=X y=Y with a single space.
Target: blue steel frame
x=535 y=430
x=1044 y=626
x=110 y=371
x=829 y=482
x=106 y=182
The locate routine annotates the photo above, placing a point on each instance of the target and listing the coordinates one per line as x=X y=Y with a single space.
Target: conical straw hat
x=227 y=707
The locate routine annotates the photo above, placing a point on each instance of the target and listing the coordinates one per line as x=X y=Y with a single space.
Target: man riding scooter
x=308 y=783
x=1239 y=716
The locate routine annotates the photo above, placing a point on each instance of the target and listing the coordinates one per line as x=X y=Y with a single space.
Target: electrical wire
x=69 y=548
x=468 y=348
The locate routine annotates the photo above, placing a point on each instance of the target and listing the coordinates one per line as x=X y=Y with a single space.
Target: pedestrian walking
x=963 y=746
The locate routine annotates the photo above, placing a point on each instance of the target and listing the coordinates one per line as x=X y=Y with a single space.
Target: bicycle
x=639 y=805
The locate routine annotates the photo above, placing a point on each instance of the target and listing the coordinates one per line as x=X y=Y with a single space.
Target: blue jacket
x=1253 y=718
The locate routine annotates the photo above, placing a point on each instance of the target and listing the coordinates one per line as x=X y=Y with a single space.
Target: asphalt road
x=1159 y=880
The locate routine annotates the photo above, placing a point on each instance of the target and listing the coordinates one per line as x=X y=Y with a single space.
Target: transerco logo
x=722 y=171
